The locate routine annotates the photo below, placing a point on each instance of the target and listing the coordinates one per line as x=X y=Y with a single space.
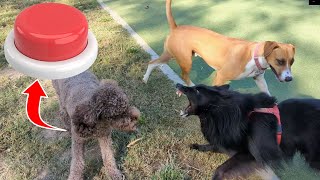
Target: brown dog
x=232 y=58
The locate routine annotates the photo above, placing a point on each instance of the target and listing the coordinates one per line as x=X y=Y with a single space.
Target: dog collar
x=275 y=111
x=256 y=58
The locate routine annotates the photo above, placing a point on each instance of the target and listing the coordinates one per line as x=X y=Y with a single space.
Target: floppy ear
x=109 y=100
x=84 y=120
x=269 y=46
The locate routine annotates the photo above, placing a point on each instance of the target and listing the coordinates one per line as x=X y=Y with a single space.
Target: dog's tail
x=172 y=23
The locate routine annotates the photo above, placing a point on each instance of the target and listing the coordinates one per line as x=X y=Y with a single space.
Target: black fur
x=251 y=140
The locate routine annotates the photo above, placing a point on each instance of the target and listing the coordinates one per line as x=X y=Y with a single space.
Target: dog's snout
x=288 y=78
x=179 y=85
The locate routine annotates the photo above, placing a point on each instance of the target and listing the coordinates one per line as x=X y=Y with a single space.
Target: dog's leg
x=261 y=83
x=185 y=63
x=65 y=118
x=77 y=153
x=108 y=159
x=164 y=58
x=204 y=147
x=185 y=75
x=150 y=68
x=239 y=165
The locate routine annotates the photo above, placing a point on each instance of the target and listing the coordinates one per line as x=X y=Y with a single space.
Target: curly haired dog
x=92 y=108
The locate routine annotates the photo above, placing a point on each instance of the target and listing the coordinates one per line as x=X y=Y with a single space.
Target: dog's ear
x=109 y=100
x=84 y=120
x=224 y=87
x=263 y=99
x=293 y=48
x=221 y=91
x=269 y=46
x=225 y=94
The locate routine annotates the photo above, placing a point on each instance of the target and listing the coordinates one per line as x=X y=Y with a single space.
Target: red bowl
x=51 y=32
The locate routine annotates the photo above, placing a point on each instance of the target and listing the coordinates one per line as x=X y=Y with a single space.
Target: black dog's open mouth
x=184 y=113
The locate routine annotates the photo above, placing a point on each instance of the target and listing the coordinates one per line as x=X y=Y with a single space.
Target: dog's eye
x=281 y=62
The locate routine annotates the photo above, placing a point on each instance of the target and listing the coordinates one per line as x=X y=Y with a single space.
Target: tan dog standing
x=232 y=58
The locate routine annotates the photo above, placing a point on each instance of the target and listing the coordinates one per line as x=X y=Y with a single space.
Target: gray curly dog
x=92 y=108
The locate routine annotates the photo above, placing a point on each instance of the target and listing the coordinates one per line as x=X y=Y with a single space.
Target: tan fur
x=228 y=56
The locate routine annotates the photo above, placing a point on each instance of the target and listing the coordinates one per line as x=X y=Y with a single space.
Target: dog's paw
x=194 y=146
x=145 y=80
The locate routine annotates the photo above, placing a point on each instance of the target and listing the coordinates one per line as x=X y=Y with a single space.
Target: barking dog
x=235 y=124
x=90 y=108
x=232 y=58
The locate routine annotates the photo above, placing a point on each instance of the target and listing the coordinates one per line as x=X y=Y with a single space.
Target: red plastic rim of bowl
x=50 y=32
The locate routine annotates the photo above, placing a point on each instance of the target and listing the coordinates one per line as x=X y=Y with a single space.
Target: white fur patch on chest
x=251 y=69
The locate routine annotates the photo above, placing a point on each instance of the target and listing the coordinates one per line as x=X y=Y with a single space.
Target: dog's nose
x=288 y=78
x=179 y=85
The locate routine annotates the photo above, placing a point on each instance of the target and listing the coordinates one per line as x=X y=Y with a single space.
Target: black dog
x=230 y=126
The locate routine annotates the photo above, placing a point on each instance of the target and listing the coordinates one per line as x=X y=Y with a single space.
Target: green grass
x=298 y=170
x=289 y=21
x=28 y=152
x=169 y=171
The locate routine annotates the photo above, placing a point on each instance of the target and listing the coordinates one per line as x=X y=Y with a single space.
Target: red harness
x=275 y=112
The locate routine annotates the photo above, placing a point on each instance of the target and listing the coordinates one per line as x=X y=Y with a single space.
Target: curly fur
x=92 y=108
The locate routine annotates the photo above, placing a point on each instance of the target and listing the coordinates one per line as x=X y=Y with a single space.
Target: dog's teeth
x=179 y=93
x=183 y=114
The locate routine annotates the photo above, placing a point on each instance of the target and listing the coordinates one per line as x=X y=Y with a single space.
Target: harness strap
x=275 y=111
